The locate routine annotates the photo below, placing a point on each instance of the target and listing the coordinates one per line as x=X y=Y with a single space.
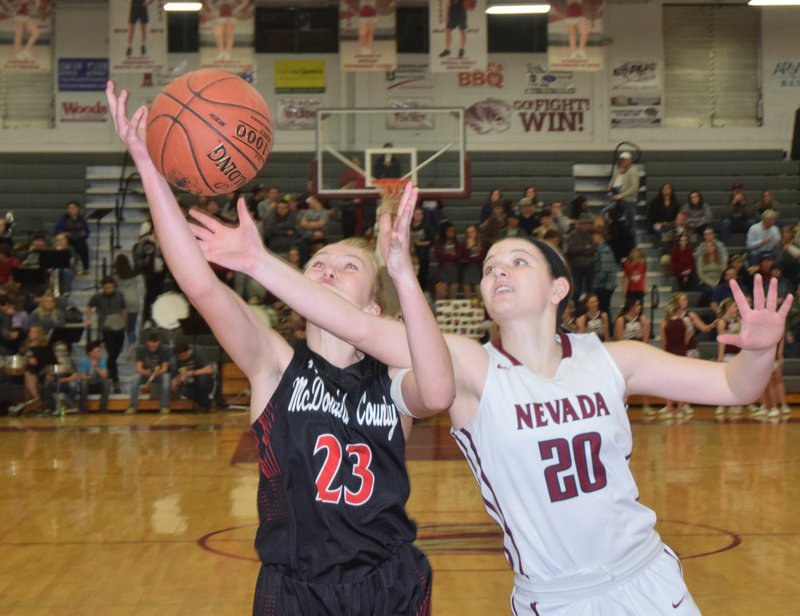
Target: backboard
x=423 y=144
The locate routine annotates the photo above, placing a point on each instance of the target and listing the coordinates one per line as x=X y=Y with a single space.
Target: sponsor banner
x=541 y=80
x=410 y=76
x=299 y=113
x=85 y=108
x=457 y=35
x=299 y=76
x=367 y=35
x=786 y=73
x=227 y=37
x=406 y=114
x=529 y=115
x=26 y=30
x=137 y=40
x=575 y=35
x=82 y=74
x=636 y=111
x=636 y=75
x=492 y=77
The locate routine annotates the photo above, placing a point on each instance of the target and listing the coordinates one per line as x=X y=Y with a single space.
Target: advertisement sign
x=299 y=76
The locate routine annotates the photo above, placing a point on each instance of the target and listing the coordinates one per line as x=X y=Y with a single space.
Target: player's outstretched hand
x=395 y=235
x=236 y=248
x=763 y=324
x=132 y=132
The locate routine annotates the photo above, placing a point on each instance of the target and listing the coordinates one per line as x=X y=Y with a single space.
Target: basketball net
x=391 y=189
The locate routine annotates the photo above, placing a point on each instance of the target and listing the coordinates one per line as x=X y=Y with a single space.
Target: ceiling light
x=519 y=9
x=183 y=6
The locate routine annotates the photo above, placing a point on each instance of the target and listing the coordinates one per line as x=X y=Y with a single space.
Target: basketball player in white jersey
x=542 y=421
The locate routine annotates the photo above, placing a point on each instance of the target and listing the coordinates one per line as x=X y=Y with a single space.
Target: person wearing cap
x=624 y=191
x=763 y=237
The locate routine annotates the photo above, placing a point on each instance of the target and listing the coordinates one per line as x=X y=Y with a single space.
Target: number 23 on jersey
x=329 y=484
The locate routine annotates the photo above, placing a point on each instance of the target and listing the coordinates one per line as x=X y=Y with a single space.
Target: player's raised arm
x=740 y=381
x=257 y=350
x=430 y=387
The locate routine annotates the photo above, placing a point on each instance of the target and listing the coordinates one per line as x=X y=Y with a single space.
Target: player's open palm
x=763 y=325
x=235 y=248
x=132 y=132
x=395 y=235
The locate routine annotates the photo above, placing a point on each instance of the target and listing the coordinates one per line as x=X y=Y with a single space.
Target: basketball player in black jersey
x=333 y=534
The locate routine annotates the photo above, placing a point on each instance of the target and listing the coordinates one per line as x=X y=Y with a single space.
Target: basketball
x=209 y=132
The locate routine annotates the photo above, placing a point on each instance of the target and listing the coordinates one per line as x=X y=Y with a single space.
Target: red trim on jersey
x=566 y=348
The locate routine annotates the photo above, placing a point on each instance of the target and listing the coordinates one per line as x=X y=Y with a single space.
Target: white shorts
x=654 y=590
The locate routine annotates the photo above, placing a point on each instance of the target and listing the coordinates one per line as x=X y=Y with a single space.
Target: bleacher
x=36 y=187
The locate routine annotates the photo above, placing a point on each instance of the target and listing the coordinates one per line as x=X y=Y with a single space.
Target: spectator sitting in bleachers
x=662 y=209
x=61 y=380
x=767 y=202
x=560 y=219
x=528 y=215
x=669 y=238
x=34 y=373
x=495 y=197
x=448 y=251
x=74 y=224
x=512 y=227
x=579 y=205
x=699 y=212
x=422 y=234
x=722 y=290
x=545 y=223
x=93 y=373
x=763 y=237
x=532 y=193
x=47 y=314
x=12 y=334
x=736 y=217
x=710 y=267
x=634 y=275
x=684 y=267
x=7 y=263
x=193 y=376
x=569 y=322
x=709 y=237
x=768 y=268
x=493 y=226
x=280 y=229
x=472 y=256
x=313 y=223
x=787 y=255
x=152 y=365
x=553 y=237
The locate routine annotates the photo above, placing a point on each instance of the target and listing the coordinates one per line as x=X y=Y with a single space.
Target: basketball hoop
x=391 y=189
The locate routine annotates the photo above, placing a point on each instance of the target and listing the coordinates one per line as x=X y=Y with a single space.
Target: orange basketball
x=209 y=132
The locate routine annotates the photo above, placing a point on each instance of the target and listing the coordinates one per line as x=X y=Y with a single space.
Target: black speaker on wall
x=796 y=136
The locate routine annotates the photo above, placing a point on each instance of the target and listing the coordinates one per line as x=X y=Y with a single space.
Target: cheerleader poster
x=25 y=36
x=367 y=35
x=575 y=35
x=227 y=36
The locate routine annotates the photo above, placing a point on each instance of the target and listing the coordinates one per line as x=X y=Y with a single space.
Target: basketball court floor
x=155 y=515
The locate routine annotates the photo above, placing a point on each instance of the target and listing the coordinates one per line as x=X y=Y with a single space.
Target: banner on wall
x=409 y=76
x=81 y=91
x=367 y=35
x=563 y=114
x=407 y=114
x=299 y=76
x=26 y=28
x=457 y=35
x=636 y=111
x=541 y=80
x=786 y=74
x=635 y=75
x=227 y=37
x=298 y=113
x=575 y=35
x=137 y=42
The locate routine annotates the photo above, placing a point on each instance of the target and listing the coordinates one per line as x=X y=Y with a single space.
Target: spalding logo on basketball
x=209 y=132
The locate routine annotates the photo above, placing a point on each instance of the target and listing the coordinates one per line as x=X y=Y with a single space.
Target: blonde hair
x=359 y=243
x=724 y=305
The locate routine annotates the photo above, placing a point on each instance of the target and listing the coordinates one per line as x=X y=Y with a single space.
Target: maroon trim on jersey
x=496 y=505
x=566 y=348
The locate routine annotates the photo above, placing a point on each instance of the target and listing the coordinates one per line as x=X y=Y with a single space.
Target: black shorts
x=400 y=587
x=457 y=18
x=138 y=12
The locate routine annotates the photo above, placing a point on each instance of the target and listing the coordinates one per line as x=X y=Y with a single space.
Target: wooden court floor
x=149 y=515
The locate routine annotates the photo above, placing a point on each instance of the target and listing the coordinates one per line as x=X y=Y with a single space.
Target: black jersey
x=333 y=482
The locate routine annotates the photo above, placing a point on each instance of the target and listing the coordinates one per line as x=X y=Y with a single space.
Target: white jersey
x=551 y=457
